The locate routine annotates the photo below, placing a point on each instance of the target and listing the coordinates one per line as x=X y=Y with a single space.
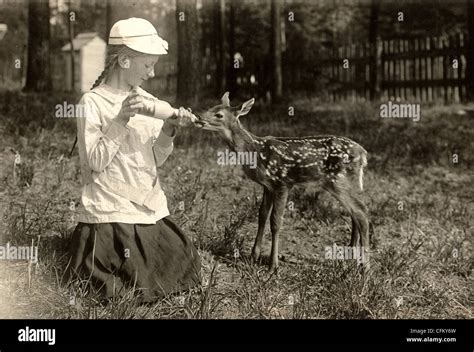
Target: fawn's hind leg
x=342 y=189
x=265 y=207
x=355 y=237
x=363 y=221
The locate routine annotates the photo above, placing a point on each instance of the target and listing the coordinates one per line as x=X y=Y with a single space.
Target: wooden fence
x=421 y=69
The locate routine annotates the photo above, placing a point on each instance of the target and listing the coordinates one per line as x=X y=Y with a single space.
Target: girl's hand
x=143 y=105
x=128 y=110
x=182 y=118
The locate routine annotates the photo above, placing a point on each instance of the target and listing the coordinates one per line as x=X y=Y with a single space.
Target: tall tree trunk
x=71 y=42
x=275 y=48
x=108 y=19
x=231 y=70
x=208 y=45
x=189 y=64
x=373 y=32
x=470 y=51
x=38 y=74
x=220 y=49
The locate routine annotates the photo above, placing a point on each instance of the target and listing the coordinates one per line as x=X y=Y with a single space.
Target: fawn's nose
x=198 y=115
x=200 y=122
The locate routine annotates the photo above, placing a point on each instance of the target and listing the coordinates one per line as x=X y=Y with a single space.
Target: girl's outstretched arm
x=163 y=145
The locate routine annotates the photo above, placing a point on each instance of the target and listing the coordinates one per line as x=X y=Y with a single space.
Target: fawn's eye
x=219 y=115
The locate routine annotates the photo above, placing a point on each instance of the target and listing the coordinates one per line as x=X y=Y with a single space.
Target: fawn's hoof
x=273 y=269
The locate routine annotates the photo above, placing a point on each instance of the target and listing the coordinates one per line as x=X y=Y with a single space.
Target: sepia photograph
x=237 y=160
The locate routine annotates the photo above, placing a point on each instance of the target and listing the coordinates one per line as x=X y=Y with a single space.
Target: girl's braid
x=108 y=67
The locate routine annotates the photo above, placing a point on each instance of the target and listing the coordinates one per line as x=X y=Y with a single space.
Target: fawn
x=332 y=162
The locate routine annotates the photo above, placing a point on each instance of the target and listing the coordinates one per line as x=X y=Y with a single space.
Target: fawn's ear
x=244 y=110
x=225 y=99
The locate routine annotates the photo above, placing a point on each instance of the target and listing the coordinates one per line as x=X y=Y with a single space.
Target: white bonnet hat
x=138 y=34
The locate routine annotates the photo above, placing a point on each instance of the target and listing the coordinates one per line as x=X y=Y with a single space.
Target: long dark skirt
x=156 y=259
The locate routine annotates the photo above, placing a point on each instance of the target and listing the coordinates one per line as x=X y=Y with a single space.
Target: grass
x=421 y=206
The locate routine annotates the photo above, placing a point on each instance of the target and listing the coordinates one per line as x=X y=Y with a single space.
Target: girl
x=125 y=237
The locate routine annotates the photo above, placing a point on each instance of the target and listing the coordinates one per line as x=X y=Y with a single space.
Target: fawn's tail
x=360 y=169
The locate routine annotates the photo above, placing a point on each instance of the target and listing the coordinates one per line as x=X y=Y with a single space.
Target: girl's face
x=140 y=68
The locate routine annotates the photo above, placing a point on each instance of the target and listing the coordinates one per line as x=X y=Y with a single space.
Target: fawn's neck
x=239 y=139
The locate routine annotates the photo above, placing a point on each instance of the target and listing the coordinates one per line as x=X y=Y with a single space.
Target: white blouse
x=119 y=164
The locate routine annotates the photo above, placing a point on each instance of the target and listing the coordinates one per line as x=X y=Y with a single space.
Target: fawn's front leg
x=265 y=207
x=280 y=197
